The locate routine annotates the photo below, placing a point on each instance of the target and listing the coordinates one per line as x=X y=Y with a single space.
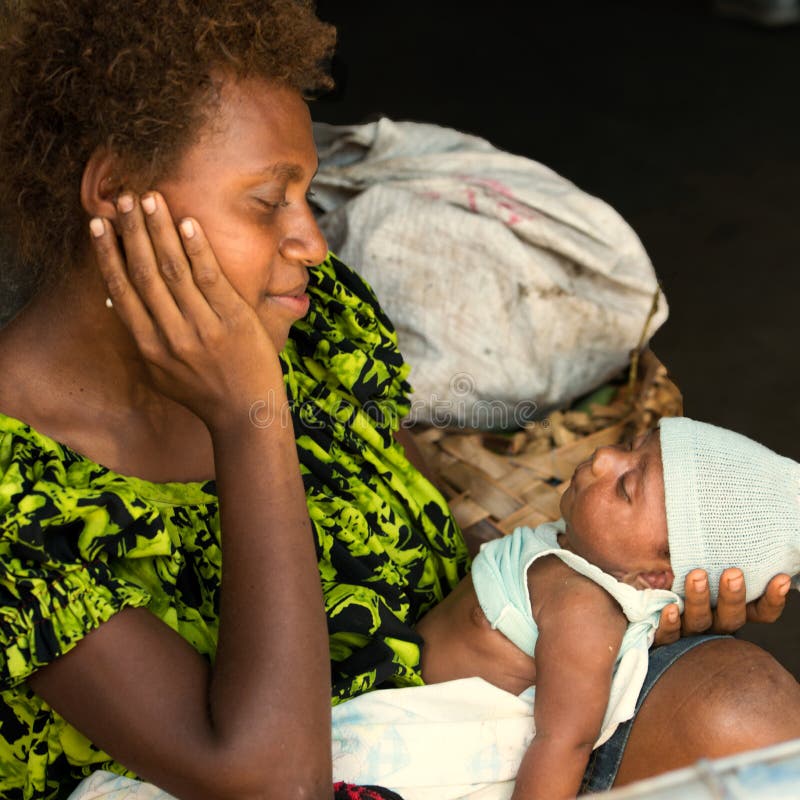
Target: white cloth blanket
x=458 y=739
x=454 y=740
x=508 y=284
x=108 y=786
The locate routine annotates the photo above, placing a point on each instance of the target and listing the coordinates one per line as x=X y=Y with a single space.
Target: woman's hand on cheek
x=731 y=611
x=202 y=343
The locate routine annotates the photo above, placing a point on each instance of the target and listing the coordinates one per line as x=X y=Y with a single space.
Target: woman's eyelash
x=284 y=203
x=273 y=205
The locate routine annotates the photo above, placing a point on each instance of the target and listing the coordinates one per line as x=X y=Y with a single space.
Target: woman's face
x=246 y=181
x=615 y=513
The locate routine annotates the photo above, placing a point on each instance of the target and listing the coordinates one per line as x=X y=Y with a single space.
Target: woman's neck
x=80 y=343
x=74 y=373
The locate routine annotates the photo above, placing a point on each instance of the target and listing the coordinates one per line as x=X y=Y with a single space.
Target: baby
x=560 y=606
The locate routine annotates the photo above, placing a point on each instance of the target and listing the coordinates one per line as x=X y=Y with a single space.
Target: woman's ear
x=101 y=183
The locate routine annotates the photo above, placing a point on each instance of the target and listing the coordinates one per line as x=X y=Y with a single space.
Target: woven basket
x=494 y=483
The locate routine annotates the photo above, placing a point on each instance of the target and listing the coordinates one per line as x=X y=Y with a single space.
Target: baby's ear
x=652 y=580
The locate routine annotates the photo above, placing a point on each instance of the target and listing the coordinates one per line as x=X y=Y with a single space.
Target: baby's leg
x=712 y=697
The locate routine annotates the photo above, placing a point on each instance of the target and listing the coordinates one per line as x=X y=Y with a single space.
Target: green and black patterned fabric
x=387 y=545
x=79 y=542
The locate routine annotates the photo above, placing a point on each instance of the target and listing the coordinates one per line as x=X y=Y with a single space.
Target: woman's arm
x=580 y=632
x=256 y=724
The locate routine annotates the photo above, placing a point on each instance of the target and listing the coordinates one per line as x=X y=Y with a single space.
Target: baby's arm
x=580 y=632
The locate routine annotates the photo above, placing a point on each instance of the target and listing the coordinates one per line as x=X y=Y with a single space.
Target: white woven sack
x=508 y=285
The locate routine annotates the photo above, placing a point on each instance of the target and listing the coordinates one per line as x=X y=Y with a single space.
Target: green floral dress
x=79 y=542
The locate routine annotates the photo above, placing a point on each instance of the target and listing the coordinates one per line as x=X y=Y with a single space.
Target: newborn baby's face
x=615 y=513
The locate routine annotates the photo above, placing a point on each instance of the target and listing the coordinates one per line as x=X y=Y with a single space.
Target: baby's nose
x=605 y=459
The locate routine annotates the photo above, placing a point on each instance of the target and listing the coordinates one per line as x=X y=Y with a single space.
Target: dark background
x=687 y=123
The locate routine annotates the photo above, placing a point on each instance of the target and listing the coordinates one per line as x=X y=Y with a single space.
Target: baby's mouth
x=653 y=580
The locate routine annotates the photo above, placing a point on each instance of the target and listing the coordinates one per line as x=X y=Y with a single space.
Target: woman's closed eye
x=272 y=205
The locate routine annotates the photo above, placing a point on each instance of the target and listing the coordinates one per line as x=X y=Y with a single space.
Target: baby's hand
x=731 y=611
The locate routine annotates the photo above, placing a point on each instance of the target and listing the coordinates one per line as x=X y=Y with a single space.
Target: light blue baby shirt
x=500 y=577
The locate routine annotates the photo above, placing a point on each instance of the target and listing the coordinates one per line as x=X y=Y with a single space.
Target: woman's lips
x=297 y=304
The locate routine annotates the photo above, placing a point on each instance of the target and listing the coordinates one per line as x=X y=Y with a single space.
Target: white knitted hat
x=731 y=502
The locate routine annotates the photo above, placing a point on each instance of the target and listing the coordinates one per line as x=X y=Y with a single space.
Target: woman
x=145 y=409
x=202 y=101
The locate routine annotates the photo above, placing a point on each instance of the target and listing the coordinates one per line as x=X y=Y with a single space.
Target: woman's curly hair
x=134 y=76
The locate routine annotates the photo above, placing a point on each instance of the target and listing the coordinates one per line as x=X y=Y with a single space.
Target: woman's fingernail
x=735 y=584
x=125 y=203
x=187 y=226
x=97 y=227
x=700 y=584
x=784 y=590
x=672 y=615
x=149 y=204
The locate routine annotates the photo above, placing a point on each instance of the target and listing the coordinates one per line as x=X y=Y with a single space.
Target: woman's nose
x=305 y=243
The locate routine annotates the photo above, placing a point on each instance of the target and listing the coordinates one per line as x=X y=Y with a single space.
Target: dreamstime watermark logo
x=460 y=408
x=265 y=413
x=462 y=384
